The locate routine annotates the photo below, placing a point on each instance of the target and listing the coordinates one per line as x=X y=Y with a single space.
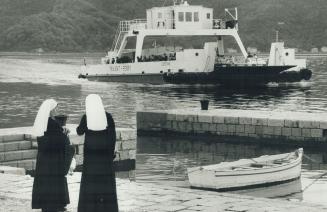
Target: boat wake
x=38 y=72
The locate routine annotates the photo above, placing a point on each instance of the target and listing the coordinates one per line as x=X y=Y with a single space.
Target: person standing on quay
x=98 y=183
x=50 y=189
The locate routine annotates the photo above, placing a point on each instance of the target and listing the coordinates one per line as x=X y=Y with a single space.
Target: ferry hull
x=128 y=78
x=239 y=76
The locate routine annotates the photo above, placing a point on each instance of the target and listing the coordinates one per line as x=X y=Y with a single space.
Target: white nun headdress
x=96 y=118
x=41 y=120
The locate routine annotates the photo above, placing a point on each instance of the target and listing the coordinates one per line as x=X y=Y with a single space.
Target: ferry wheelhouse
x=165 y=48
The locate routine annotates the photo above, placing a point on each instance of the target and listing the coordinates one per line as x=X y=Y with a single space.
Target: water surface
x=27 y=80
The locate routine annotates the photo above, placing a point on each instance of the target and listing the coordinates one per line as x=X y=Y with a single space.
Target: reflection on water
x=164 y=160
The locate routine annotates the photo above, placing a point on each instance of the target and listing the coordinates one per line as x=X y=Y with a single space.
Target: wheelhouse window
x=188 y=16
x=196 y=16
x=208 y=15
x=180 y=16
x=159 y=15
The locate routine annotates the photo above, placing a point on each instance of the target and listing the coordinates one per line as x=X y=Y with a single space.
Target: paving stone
x=260 y=121
x=259 y=130
x=222 y=128
x=128 y=134
x=278 y=131
x=249 y=129
x=27 y=154
x=12 y=137
x=205 y=127
x=306 y=132
x=231 y=120
x=197 y=127
x=12 y=170
x=25 y=145
x=239 y=128
x=323 y=125
x=245 y=120
x=189 y=127
x=168 y=125
x=2 y=157
x=286 y=131
x=132 y=154
x=130 y=144
x=231 y=128
x=291 y=123
x=192 y=118
x=171 y=116
x=205 y=118
x=268 y=130
x=316 y=133
x=26 y=164
x=181 y=126
x=296 y=132
x=10 y=156
x=118 y=146
x=218 y=119
x=309 y=124
x=276 y=122
x=11 y=146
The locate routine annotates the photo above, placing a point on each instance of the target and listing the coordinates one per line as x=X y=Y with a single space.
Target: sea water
x=27 y=80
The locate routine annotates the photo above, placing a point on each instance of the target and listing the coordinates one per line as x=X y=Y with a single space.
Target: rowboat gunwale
x=244 y=178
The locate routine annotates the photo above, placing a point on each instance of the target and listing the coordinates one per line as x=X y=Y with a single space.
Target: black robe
x=50 y=189
x=98 y=183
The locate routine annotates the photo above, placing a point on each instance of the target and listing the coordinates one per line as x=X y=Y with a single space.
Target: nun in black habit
x=50 y=189
x=98 y=183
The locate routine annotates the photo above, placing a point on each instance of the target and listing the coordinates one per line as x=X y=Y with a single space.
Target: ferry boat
x=165 y=48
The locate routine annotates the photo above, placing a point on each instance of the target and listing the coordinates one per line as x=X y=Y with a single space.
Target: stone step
x=15 y=145
x=28 y=164
x=18 y=155
x=12 y=170
x=7 y=137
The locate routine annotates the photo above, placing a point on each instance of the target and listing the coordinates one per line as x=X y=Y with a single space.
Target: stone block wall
x=243 y=123
x=18 y=148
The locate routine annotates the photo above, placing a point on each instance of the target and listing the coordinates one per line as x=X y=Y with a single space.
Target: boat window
x=196 y=16
x=208 y=15
x=159 y=15
x=180 y=16
x=188 y=16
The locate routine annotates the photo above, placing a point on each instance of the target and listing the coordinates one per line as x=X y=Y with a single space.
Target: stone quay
x=16 y=195
x=18 y=148
x=306 y=129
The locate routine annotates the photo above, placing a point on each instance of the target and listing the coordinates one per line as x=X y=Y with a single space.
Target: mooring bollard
x=204 y=104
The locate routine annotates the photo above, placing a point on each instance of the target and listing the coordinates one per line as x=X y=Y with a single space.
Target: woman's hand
x=66 y=131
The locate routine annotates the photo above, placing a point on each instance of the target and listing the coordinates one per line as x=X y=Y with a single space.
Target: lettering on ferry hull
x=165 y=63
x=120 y=68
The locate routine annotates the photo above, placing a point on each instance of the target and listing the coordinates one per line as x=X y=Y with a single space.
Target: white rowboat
x=245 y=173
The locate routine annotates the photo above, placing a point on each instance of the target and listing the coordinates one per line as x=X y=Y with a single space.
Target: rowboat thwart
x=246 y=173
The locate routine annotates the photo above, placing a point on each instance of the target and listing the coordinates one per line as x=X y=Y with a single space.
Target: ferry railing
x=123 y=28
x=218 y=24
x=128 y=25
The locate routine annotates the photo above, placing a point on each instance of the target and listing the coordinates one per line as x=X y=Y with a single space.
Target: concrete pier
x=287 y=127
x=16 y=194
x=18 y=148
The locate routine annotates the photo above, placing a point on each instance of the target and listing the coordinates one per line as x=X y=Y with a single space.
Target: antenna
x=277 y=30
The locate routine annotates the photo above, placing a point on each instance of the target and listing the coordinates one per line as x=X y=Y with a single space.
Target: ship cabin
x=136 y=40
x=180 y=17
